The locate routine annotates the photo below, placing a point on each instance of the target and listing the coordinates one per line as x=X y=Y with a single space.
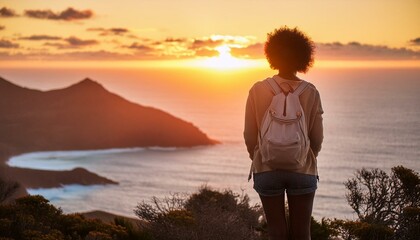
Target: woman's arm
x=251 y=127
x=316 y=134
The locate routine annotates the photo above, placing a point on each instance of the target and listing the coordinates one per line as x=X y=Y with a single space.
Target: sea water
x=371 y=120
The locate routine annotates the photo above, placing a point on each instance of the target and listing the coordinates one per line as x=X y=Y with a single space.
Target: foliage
x=33 y=217
x=388 y=206
x=409 y=228
x=208 y=214
x=322 y=230
x=133 y=231
x=349 y=230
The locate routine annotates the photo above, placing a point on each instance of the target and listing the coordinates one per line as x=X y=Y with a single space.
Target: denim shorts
x=274 y=183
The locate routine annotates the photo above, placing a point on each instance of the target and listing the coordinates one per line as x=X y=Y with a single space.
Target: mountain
x=85 y=116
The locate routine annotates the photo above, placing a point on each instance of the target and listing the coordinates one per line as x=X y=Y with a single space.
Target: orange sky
x=224 y=31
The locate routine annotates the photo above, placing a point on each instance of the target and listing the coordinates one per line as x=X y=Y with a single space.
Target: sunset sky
x=221 y=30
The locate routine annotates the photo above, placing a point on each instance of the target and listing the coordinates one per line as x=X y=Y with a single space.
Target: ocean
x=371 y=120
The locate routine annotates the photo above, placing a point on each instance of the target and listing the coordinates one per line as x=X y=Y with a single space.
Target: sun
x=224 y=61
x=224 y=52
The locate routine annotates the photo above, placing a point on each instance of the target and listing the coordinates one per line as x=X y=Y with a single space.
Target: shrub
x=388 y=206
x=133 y=231
x=208 y=214
x=322 y=230
x=33 y=217
x=409 y=228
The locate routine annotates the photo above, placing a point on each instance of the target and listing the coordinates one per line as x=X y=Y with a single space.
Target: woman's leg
x=300 y=211
x=275 y=216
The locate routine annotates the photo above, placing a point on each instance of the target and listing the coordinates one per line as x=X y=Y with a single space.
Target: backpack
x=283 y=136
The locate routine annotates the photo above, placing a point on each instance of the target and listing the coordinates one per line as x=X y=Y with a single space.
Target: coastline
x=34 y=178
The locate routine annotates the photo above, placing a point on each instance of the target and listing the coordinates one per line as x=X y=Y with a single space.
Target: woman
x=288 y=51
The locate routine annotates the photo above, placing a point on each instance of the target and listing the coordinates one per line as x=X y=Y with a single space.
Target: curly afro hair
x=289 y=50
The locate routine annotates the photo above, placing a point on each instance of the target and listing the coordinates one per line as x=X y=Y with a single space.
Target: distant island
x=83 y=116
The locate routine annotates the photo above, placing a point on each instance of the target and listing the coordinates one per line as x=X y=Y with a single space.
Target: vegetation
x=387 y=206
x=34 y=218
x=208 y=214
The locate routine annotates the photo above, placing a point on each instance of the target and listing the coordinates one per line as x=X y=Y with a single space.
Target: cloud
x=251 y=51
x=74 y=41
x=205 y=47
x=415 y=41
x=172 y=48
x=206 y=53
x=209 y=43
x=40 y=37
x=7 y=12
x=139 y=46
x=182 y=48
x=240 y=46
x=359 y=51
x=2 y=27
x=71 y=42
x=132 y=36
x=58 y=45
x=95 y=55
x=109 y=31
x=7 y=44
x=175 y=40
x=69 y=14
x=340 y=51
x=74 y=55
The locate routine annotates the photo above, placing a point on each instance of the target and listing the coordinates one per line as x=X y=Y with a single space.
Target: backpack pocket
x=286 y=156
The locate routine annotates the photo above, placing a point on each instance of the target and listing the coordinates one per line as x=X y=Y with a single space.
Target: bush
x=208 y=214
x=350 y=230
x=133 y=231
x=409 y=228
x=388 y=206
x=322 y=230
x=33 y=217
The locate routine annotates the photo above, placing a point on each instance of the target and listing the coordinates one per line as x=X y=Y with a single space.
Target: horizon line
x=197 y=64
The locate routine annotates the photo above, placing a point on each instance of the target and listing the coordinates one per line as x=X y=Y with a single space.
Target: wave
x=73 y=153
x=171 y=149
x=165 y=149
x=53 y=160
x=58 y=155
x=67 y=160
x=66 y=192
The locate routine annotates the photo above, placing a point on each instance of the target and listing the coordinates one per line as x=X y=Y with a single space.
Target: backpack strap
x=274 y=86
x=302 y=86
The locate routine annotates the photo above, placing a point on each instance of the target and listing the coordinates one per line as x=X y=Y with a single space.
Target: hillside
x=85 y=116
